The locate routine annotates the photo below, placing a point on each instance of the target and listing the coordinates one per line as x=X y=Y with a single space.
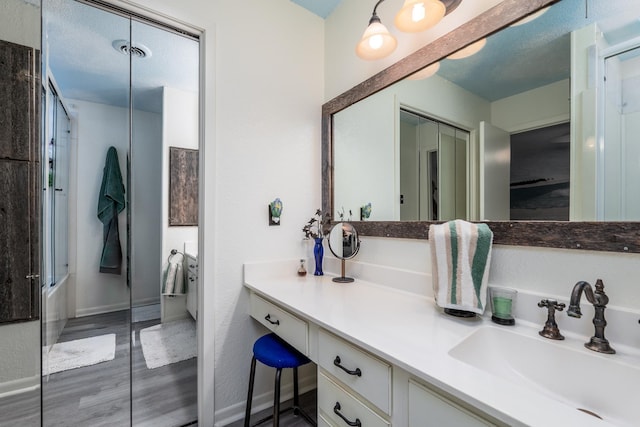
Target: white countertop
x=409 y=331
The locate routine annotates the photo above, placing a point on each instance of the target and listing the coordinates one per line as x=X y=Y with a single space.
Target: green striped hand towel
x=460 y=258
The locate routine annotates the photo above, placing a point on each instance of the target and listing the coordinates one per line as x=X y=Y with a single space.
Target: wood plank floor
x=308 y=402
x=21 y=410
x=99 y=395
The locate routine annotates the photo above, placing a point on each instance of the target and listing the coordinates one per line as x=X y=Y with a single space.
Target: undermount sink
x=563 y=370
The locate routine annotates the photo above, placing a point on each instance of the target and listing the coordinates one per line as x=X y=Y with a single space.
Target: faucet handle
x=552 y=304
x=551 y=329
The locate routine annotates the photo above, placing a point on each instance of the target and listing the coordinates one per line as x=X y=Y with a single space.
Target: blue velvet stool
x=276 y=353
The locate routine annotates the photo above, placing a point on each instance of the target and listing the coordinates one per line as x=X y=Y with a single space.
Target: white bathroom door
x=495 y=173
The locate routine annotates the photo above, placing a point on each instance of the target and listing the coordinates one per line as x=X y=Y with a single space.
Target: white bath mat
x=83 y=352
x=169 y=342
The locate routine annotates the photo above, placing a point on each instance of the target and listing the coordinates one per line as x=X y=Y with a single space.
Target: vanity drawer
x=290 y=328
x=322 y=422
x=374 y=381
x=331 y=397
x=427 y=408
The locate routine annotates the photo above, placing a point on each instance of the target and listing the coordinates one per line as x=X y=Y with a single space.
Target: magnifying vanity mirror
x=344 y=244
x=526 y=134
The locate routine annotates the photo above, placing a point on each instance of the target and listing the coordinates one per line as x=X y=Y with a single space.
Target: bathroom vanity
x=388 y=357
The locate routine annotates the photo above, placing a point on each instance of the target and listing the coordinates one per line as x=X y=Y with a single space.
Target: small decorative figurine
x=365 y=211
x=275 y=210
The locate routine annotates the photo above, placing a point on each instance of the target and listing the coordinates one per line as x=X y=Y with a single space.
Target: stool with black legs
x=274 y=352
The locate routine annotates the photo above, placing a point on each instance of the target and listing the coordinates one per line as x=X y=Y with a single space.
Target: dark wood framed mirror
x=588 y=235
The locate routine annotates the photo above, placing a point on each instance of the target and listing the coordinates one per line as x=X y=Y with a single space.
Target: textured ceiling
x=527 y=56
x=87 y=67
x=322 y=8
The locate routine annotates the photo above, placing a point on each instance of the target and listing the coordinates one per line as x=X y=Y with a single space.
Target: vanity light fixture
x=376 y=42
x=414 y=16
x=419 y=15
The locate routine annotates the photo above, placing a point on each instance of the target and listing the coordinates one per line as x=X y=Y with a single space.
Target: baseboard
x=21 y=385
x=90 y=311
x=175 y=317
x=230 y=414
x=145 y=301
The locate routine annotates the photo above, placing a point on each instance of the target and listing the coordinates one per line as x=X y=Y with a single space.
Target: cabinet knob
x=32 y=276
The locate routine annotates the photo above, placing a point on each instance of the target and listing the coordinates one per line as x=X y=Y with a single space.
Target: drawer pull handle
x=268 y=319
x=337 y=361
x=355 y=423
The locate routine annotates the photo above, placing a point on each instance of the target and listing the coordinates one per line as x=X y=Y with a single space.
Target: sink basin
x=564 y=370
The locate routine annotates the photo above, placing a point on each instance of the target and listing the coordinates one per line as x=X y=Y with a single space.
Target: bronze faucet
x=550 y=329
x=599 y=300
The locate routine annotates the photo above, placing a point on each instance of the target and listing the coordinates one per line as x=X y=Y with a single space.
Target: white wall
x=268 y=145
x=632 y=166
x=179 y=129
x=582 y=196
x=365 y=166
x=18 y=15
x=146 y=215
x=20 y=351
x=98 y=127
x=543 y=106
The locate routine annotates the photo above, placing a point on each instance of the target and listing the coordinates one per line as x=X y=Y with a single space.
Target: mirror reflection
x=344 y=244
x=120 y=332
x=547 y=137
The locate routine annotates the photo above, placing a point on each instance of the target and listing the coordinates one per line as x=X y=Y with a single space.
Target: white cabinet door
x=427 y=409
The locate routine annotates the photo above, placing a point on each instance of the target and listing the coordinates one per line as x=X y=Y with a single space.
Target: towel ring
x=174 y=252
